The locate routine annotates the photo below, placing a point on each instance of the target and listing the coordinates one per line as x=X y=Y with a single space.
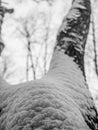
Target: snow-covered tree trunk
x=61 y=99
x=70 y=46
x=73 y=32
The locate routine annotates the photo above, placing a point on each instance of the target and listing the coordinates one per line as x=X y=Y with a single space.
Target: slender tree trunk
x=95 y=45
x=30 y=57
x=46 y=45
x=3 y=10
x=1 y=20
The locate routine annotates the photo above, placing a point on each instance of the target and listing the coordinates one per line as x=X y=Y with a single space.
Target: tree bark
x=73 y=32
x=71 y=41
x=61 y=99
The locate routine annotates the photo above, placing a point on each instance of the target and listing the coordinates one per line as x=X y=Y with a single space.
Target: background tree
x=95 y=46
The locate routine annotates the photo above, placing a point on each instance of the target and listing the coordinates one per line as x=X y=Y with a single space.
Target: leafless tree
x=27 y=34
x=28 y=30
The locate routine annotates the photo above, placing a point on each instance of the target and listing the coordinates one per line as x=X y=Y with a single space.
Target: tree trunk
x=61 y=99
x=73 y=32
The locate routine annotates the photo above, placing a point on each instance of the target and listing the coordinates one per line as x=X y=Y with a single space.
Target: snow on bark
x=40 y=105
x=72 y=35
x=68 y=74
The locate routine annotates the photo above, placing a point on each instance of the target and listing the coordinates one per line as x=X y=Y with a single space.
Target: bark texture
x=61 y=99
x=73 y=32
